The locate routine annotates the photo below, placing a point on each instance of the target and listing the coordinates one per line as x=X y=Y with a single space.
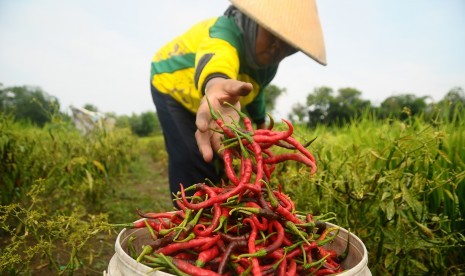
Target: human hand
x=219 y=91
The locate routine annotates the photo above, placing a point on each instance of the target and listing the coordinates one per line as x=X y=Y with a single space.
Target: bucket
x=121 y=264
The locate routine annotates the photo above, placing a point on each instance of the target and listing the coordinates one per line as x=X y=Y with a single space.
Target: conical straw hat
x=294 y=21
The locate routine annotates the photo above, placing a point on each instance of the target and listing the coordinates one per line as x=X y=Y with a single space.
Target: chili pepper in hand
x=267 y=136
x=289 y=156
x=303 y=150
x=228 y=166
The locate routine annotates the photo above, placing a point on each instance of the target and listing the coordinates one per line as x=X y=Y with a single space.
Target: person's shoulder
x=226 y=23
x=226 y=28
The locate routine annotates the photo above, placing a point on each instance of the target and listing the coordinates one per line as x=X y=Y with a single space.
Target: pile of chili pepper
x=242 y=226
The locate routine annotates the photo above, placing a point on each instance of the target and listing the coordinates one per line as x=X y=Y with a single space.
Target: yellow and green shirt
x=209 y=49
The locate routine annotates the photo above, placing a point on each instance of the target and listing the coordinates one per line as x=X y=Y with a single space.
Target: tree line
x=323 y=106
x=327 y=107
x=32 y=105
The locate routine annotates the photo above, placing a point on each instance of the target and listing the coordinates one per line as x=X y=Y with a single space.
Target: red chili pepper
x=325 y=271
x=225 y=129
x=220 y=198
x=271 y=247
x=247 y=122
x=251 y=245
x=223 y=217
x=140 y=223
x=267 y=136
x=238 y=269
x=258 y=162
x=274 y=204
x=279 y=238
x=303 y=150
x=175 y=247
x=191 y=269
x=207 y=255
x=262 y=226
x=287 y=241
x=150 y=215
x=201 y=230
x=290 y=156
x=216 y=215
x=228 y=166
x=282 y=267
x=268 y=168
x=325 y=252
x=185 y=255
x=211 y=243
x=246 y=173
x=287 y=202
x=292 y=268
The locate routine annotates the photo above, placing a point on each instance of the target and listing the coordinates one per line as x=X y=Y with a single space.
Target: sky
x=99 y=51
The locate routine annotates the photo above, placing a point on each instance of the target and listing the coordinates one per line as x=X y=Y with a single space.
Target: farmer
x=230 y=58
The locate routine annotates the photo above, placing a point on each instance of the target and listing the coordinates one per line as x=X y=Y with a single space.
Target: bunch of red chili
x=243 y=226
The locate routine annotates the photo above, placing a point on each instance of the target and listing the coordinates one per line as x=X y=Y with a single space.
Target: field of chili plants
x=398 y=185
x=55 y=188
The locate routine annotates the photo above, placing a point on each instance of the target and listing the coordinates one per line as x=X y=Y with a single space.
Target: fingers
x=237 y=88
x=203 y=117
x=205 y=147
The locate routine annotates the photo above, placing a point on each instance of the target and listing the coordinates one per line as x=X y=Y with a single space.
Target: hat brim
x=295 y=22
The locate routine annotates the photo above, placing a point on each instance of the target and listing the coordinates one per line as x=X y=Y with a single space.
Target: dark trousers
x=185 y=163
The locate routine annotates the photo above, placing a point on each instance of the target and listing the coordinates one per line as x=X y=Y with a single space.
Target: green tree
x=453 y=104
x=145 y=124
x=300 y=111
x=318 y=104
x=402 y=106
x=324 y=108
x=272 y=92
x=347 y=105
x=90 y=107
x=28 y=103
x=123 y=121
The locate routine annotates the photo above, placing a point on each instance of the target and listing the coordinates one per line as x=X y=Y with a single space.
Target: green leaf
x=385 y=195
x=390 y=210
x=375 y=154
x=425 y=230
x=99 y=165
x=412 y=202
x=419 y=265
x=444 y=155
x=90 y=181
x=390 y=260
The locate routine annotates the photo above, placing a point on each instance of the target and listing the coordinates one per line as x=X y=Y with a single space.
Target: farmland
x=397 y=184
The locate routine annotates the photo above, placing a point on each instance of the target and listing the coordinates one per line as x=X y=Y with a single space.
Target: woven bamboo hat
x=295 y=22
